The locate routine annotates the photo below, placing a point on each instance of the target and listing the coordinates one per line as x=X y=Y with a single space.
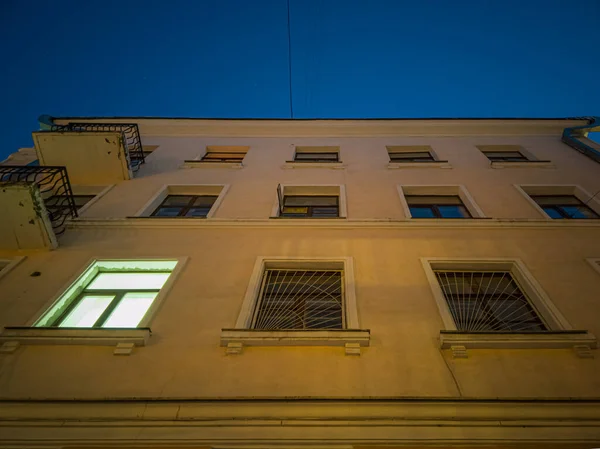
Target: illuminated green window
x=110 y=294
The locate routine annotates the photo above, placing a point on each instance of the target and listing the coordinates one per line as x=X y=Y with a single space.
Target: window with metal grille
x=296 y=206
x=196 y=206
x=416 y=156
x=487 y=301
x=316 y=157
x=300 y=299
x=505 y=156
x=564 y=207
x=436 y=206
x=110 y=295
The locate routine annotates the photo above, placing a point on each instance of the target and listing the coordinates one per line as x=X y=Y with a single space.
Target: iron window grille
x=316 y=157
x=484 y=301
x=223 y=157
x=103 y=304
x=130 y=133
x=54 y=186
x=564 y=207
x=191 y=206
x=506 y=156
x=415 y=156
x=56 y=203
x=440 y=206
x=300 y=299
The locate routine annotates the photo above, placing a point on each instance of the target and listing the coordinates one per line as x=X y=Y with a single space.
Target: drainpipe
x=576 y=137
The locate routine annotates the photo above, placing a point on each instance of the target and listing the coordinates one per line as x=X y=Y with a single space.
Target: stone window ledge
x=351 y=339
x=522 y=164
x=581 y=341
x=203 y=164
x=330 y=165
x=431 y=164
x=123 y=339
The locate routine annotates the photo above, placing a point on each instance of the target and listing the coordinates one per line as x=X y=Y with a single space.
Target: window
x=564 y=207
x=197 y=206
x=300 y=299
x=424 y=156
x=234 y=154
x=487 y=301
x=428 y=206
x=505 y=156
x=313 y=201
x=185 y=201
x=295 y=206
x=110 y=294
x=323 y=154
x=59 y=204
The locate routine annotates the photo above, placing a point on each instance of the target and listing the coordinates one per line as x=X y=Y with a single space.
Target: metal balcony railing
x=130 y=132
x=54 y=186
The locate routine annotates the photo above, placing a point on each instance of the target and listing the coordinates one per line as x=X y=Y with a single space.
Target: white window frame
x=124 y=339
x=338 y=190
x=11 y=263
x=184 y=189
x=439 y=163
x=532 y=160
x=556 y=189
x=538 y=298
x=242 y=334
x=434 y=190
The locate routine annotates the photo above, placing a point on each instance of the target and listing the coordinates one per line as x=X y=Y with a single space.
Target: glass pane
x=295 y=210
x=310 y=200
x=453 y=211
x=556 y=200
x=318 y=156
x=128 y=281
x=422 y=212
x=420 y=155
x=198 y=212
x=87 y=311
x=177 y=200
x=130 y=310
x=206 y=200
x=552 y=212
x=579 y=212
x=324 y=211
x=224 y=156
x=168 y=211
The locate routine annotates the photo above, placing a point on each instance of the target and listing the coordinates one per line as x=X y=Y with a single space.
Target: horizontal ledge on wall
x=352 y=339
x=413 y=223
x=522 y=164
x=329 y=165
x=517 y=340
x=426 y=164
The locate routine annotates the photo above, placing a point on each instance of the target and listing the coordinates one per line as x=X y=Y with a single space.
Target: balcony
x=93 y=153
x=36 y=203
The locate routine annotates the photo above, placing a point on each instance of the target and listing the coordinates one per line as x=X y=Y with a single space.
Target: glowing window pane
x=130 y=310
x=87 y=311
x=128 y=281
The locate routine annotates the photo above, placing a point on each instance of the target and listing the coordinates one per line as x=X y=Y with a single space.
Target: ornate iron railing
x=130 y=132
x=55 y=190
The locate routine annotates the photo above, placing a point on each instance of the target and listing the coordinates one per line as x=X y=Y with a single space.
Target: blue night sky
x=350 y=59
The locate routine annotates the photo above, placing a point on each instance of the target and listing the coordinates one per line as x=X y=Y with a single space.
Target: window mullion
x=68 y=309
x=113 y=304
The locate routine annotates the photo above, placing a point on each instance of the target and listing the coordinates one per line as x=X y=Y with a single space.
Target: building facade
x=322 y=283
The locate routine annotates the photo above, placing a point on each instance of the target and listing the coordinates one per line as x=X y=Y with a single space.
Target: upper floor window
x=59 y=204
x=197 y=206
x=110 y=294
x=436 y=206
x=419 y=153
x=297 y=206
x=322 y=154
x=217 y=153
x=564 y=207
x=505 y=156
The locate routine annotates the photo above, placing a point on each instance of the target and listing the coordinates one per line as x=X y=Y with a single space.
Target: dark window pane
x=168 y=211
x=324 y=211
x=556 y=199
x=507 y=156
x=310 y=201
x=453 y=212
x=177 y=200
x=323 y=157
x=422 y=212
x=198 y=212
x=430 y=199
x=205 y=201
x=578 y=212
x=230 y=157
x=419 y=156
x=552 y=212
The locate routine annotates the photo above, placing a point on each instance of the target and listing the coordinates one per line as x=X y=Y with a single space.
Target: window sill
x=330 y=165
x=581 y=341
x=522 y=164
x=204 y=164
x=123 y=338
x=352 y=339
x=430 y=164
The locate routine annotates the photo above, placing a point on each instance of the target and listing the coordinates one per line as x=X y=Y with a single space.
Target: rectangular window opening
x=563 y=207
x=297 y=206
x=188 y=206
x=439 y=206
